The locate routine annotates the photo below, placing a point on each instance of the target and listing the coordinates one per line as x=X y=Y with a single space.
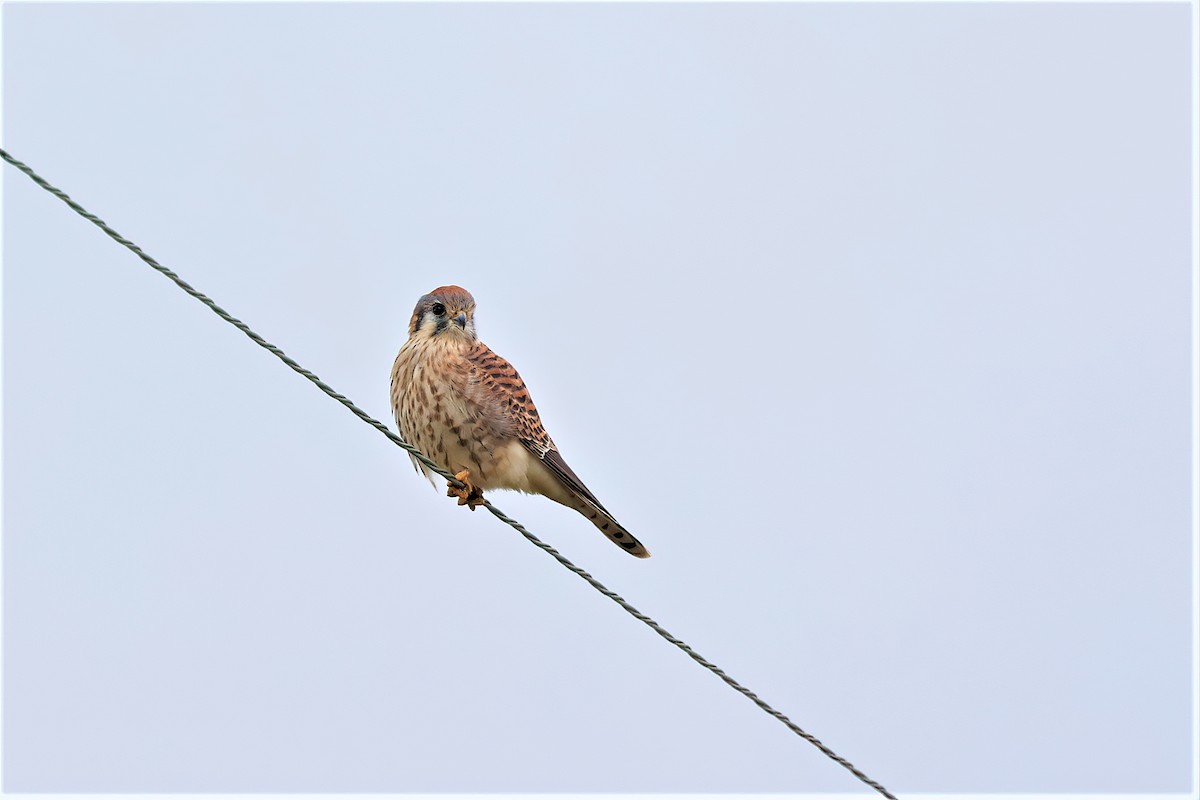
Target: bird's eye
x=438 y=309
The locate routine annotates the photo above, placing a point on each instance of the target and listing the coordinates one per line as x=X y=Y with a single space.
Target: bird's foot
x=470 y=495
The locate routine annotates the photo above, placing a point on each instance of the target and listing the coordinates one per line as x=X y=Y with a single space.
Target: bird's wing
x=499 y=390
x=499 y=394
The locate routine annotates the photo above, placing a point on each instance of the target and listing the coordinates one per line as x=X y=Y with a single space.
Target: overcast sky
x=871 y=321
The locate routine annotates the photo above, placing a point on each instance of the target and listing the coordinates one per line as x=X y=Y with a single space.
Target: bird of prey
x=468 y=410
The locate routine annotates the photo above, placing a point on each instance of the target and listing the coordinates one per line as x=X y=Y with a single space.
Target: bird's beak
x=461 y=319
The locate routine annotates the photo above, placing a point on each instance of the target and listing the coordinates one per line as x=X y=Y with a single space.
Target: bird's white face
x=446 y=314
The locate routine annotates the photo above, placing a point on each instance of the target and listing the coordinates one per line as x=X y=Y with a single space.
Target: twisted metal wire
x=374 y=423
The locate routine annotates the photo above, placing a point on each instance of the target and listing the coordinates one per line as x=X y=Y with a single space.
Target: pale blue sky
x=871 y=321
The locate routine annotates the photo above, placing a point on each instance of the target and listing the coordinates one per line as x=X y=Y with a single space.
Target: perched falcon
x=468 y=410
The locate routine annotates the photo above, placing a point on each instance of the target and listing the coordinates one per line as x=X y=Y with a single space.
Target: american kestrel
x=468 y=410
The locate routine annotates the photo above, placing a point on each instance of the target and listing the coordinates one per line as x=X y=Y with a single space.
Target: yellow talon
x=470 y=495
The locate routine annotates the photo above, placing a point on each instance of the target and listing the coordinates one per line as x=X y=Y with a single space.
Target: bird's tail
x=609 y=526
x=565 y=487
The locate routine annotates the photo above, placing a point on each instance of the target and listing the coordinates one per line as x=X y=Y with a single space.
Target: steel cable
x=367 y=418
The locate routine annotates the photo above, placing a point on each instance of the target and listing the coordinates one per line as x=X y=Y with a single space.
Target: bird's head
x=448 y=312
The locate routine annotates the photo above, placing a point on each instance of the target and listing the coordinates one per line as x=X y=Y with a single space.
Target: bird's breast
x=435 y=412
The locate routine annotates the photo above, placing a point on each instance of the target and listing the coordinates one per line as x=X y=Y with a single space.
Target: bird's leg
x=469 y=496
